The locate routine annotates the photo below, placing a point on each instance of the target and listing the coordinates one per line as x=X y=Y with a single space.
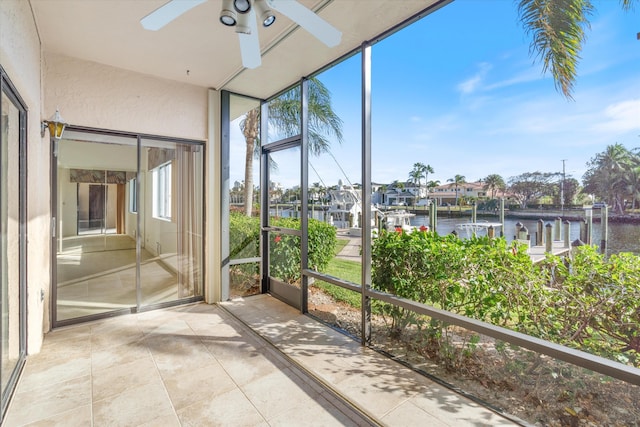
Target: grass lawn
x=340 y=245
x=345 y=270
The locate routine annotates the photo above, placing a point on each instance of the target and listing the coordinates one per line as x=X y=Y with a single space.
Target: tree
x=495 y=183
x=427 y=170
x=571 y=190
x=284 y=117
x=633 y=183
x=532 y=185
x=415 y=176
x=609 y=175
x=419 y=170
x=457 y=181
x=557 y=28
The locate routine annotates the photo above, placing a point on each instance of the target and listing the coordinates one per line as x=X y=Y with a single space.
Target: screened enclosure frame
x=576 y=357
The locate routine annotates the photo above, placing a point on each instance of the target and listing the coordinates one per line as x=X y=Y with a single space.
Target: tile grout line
x=145 y=335
x=238 y=387
x=321 y=382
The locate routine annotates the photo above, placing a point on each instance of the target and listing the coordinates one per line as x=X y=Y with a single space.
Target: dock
x=538 y=253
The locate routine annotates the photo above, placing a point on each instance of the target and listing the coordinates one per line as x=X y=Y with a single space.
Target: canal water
x=621 y=238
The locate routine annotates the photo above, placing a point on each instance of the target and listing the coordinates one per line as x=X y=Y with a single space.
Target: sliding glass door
x=128 y=224
x=13 y=195
x=96 y=230
x=171 y=215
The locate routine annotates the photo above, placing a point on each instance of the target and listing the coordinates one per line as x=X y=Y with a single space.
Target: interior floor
x=97 y=274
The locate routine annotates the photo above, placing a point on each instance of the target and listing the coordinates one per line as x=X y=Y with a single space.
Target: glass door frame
x=139 y=303
x=7 y=88
x=268 y=284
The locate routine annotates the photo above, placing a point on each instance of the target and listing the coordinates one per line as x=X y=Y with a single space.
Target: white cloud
x=531 y=74
x=620 y=117
x=473 y=83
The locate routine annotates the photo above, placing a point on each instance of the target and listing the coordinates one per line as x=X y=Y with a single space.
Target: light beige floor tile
x=77 y=417
x=170 y=420
x=107 y=357
x=49 y=400
x=204 y=383
x=319 y=413
x=133 y=407
x=174 y=355
x=183 y=366
x=53 y=370
x=231 y=409
x=106 y=339
x=407 y=414
x=124 y=376
x=62 y=335
x=247 y=365
x=171 y=326
x=278 y=392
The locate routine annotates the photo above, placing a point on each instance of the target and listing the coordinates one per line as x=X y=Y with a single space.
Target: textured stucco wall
x=100 y=96
x=20 y=58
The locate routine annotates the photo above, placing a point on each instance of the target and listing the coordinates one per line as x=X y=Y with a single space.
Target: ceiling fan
x=241 y=14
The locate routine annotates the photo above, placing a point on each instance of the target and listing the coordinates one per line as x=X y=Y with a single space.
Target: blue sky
x=459 y=91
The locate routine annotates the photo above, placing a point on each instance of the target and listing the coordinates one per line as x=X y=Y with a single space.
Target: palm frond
x=557 y=28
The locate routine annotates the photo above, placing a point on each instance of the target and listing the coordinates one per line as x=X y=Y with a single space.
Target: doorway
x=129 y=224
x=282 y=235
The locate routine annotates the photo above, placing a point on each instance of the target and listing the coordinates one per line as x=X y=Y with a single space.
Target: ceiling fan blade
x=308 y=20
x=249 y=43
x=167 y=13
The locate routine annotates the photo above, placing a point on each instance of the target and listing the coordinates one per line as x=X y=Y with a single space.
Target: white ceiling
x=196 y=48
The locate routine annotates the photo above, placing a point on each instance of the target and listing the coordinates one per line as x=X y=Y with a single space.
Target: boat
x=345 y=210
x=479 y=228
x=399 y=219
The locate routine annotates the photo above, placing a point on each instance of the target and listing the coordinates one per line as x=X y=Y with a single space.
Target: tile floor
x=198 y=365
x=97 y=274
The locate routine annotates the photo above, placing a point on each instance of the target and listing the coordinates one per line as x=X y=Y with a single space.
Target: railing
x=579 y=358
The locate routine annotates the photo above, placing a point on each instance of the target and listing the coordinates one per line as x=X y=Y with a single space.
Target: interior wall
x=67 y=209
x=20 y=57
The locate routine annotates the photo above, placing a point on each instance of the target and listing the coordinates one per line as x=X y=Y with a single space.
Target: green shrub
x=244 y=239
x=285 y=249
x=586 y=301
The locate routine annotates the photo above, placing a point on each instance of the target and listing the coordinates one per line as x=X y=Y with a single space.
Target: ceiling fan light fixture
x=242 y=6
x=243 y=26
x=228 y=14
x=265 y=14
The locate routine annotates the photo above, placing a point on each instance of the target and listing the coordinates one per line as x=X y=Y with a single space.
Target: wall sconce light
x=56 y=125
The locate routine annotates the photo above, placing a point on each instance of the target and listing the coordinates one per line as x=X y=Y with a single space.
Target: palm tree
x=419 y=170
x=494 y=182
x=633 y=184
x=608 y=173
x=557 y=28
x=457 y=181
x=284 y=117
x=415 y=175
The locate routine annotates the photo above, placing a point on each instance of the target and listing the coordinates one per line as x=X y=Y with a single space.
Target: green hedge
x=588 y=302
x=285 y=249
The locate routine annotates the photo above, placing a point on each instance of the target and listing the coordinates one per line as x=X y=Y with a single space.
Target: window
x=162 y=191
x=133 y=195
